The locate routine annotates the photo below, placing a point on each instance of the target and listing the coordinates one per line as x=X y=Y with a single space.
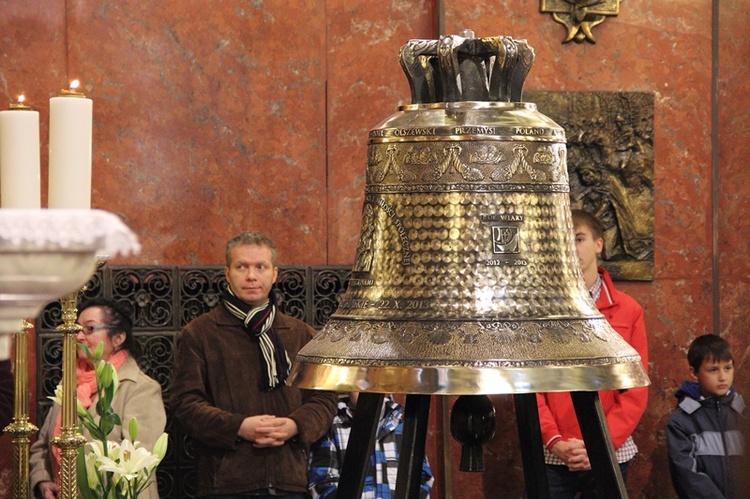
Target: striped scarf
x=258 y=322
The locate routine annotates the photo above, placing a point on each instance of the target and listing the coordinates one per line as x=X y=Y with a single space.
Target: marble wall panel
x=365 y=86
x=734 y=183
x=209 y=120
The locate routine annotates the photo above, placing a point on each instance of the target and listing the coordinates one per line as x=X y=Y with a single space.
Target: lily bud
x=160 y=447
x=82 y=412
x=133 y=429
x=106 y=373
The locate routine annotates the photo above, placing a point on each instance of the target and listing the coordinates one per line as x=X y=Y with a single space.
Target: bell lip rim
x=469 y=104
x=453 y=380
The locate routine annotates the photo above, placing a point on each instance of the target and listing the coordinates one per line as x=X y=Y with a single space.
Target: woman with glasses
x=137 y=395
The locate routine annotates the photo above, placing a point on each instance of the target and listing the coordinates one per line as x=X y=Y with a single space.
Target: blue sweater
x=705 y=443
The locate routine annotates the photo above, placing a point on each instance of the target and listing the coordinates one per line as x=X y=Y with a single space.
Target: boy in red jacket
x=568 y=466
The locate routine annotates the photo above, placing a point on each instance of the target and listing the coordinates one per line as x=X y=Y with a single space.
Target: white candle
x=20 y=186
x=70 y=126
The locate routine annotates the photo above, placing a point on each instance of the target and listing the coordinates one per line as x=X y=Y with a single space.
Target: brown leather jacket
x=216 y=384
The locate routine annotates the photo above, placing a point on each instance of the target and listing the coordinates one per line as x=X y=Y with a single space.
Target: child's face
x=715 y=377
x=588 y=248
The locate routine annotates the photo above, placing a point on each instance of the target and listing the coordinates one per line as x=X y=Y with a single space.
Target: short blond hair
x=250 y=237
x=582 y=218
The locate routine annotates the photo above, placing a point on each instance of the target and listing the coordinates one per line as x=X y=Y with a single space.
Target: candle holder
x=45 y=254
x=69 y=439
x=73 y=92
x=21 y=429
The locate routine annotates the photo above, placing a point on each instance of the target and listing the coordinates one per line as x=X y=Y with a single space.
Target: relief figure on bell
x=452 y=163
x=486 y=155
x=363 y=259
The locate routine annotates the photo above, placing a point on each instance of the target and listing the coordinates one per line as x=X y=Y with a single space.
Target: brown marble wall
x=210 y=118
x=733 y=150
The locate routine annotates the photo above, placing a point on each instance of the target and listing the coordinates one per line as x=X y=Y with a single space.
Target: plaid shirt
x=327 y=455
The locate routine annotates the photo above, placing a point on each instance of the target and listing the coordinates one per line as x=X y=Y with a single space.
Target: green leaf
x=99 y=350
x=83 y=480
x=108 y=421
x=103 y=407
x=106 y=396
x=87 y=352
x=97 y=433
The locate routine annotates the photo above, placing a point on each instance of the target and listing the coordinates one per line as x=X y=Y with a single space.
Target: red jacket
x=623 y=408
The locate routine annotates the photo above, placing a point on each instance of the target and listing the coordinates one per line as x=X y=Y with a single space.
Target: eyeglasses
x=87 y=330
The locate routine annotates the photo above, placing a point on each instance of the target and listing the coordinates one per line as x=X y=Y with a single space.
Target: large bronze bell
x=466 y=278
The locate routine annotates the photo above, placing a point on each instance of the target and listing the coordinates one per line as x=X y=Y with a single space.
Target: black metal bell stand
x=411 y=454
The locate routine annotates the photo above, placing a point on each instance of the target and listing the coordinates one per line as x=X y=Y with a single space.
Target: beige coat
x=137 y=396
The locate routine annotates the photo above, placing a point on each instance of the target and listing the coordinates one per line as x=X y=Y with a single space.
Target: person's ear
x=693 y=374
x=599 y=246
x=118 y=339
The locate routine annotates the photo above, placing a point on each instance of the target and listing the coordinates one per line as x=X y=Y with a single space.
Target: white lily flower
x=132 y=463
x=57 y=397
x=92 y=476
x=113 y=449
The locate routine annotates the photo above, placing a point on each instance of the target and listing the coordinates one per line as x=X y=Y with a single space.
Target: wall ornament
x=580 y=16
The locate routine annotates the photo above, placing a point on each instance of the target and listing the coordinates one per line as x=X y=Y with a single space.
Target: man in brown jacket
x=229 y=391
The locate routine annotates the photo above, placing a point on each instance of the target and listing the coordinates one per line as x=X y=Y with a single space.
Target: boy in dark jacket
x=704 y=437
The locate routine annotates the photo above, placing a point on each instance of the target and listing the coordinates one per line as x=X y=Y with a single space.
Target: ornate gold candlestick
x=20 y=428
x=69 y=439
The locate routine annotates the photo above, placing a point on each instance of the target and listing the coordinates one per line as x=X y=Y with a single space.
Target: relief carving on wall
x=610 y=156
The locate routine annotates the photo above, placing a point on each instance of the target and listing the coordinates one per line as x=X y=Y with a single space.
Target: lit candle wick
x=73 y=90
x=20 y=104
